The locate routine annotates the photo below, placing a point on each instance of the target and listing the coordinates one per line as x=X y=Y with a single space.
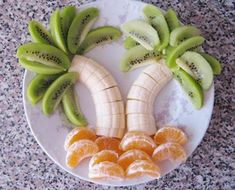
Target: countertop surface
x=23 y=164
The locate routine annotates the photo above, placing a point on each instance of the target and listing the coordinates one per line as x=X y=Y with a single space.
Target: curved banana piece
x=141 y=97
x=106 y=96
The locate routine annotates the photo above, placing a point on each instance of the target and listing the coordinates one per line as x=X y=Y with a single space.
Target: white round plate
x=171 y=106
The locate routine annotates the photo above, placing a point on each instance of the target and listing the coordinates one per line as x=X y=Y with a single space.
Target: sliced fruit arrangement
x=50 y=55
x=105 y=93
x=140 y=99
x=162 y=36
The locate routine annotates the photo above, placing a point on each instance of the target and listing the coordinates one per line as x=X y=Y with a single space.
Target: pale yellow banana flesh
x=141 y=97
x=106 y=96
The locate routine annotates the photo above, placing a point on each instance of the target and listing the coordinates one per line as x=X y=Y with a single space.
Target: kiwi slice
x=160 y=24
x=67 y=15
x=44 y=54
x=191 y=87
x=151 y=12
x=143 y=33
x=56 y=31
x=39 y=68
x=130 y=43
x=72 y=109
x=181 y=33
x=38 y=86
x=195 y=65
x=172 y=19
x=80 y=27
x=39 y=33
x=214 y=63
x=55 y=92
x=136 y=57
x=183 y=47
x=99 y=36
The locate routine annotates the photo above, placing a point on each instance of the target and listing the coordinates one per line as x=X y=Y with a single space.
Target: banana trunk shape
x=140 y=99
x=106 y=95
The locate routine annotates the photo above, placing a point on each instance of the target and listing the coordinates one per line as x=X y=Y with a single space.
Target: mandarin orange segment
x=170 y=134
x=79 y=151
x=108 y=143
x=78 y=134
x=137 y=140
x=170 y=151
x=106 y=170
x=104 y=155
x=130 y=156
x=143 y=168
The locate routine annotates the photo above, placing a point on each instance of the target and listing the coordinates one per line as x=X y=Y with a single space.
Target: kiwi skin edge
x=189 y=84
x=72 y=109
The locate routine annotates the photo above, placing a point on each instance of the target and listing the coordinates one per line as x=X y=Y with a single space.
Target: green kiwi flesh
x=55 y=92
x=136 y=57
x=143 y=33
x=214 y=63
x=183 y=47
x=190 y=87
x=181 y=33
x=39 y=68
x=197 y=66
x=172 y=19
x=130 y=43
x=151 y=12
x=39 y=33
x=38 y=86
x=56 y=31
x=99 y=36
x=160 y=24
x=72 y=109
x=67 y=15
x=80 y=27
x=44 y=54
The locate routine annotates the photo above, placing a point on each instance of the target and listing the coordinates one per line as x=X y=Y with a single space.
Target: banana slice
x=111 y=108
x=99 y=85
x=141 y=122
x=145 y=81
x=106 y=96
x=136 y=106
x=139 y=93
x=117 y=122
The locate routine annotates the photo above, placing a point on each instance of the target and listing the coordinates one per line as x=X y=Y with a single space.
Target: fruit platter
x=117 y=96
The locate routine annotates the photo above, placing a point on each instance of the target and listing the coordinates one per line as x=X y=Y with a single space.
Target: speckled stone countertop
x=23 y=165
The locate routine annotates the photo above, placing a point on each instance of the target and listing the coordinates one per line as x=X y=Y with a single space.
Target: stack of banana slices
x=140 y=99
x=110 y=115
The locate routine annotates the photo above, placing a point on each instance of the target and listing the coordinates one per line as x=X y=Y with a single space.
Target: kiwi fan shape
x=162 y=36
x=50 y=53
